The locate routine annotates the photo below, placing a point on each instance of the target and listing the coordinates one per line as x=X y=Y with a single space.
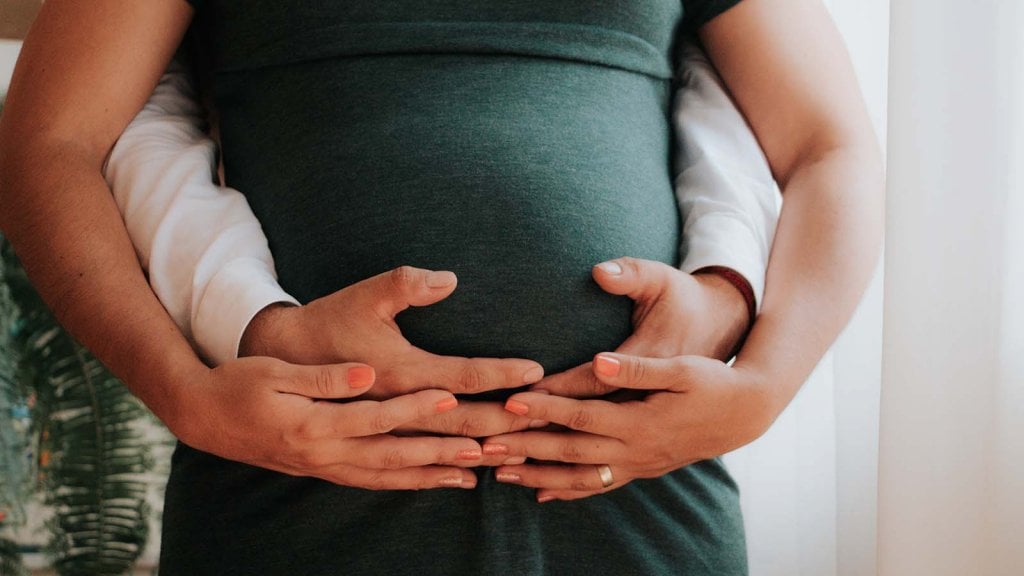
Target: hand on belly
x=665 y=403
x=357 y=324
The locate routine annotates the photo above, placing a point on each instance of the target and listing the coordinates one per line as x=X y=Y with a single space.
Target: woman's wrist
x=167 y=381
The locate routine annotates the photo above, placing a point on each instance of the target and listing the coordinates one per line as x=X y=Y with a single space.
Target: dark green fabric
x=517 y=143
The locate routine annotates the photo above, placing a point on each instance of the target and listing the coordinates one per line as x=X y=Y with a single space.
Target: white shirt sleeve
x=728 y=199
x=203 y=249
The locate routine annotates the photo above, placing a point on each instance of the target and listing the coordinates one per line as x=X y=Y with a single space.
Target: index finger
x=469 y=375
x=369 y=417
x=578 y=382
x=594 y=416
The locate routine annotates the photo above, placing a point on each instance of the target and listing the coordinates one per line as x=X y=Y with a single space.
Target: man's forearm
x=58 y=213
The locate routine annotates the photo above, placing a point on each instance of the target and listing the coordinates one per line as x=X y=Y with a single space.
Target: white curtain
x=951 y=482
x=930 y=481
x=809 y=486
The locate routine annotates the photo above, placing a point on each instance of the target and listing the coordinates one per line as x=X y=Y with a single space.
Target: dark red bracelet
x=739 y=282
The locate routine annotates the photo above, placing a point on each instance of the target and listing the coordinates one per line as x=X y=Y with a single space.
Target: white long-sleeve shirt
x=209 y=263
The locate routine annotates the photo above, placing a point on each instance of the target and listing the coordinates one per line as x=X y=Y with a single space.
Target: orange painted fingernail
x=360 y=376
x=517 y=407
x=474 y=454
x=495 y=449
x=447 y=404
x=510 y=477
x=606 y=365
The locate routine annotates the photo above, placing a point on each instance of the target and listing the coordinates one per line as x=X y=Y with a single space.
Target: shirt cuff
x=224 y=311
x=725 y=241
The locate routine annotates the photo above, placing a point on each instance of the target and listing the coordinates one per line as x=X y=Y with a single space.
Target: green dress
x=517 y=143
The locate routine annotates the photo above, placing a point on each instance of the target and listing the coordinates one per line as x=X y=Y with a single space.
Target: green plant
x=15 y=467
x=86 y=431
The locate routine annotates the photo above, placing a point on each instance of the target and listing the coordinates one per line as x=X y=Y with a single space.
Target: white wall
x=8 y=54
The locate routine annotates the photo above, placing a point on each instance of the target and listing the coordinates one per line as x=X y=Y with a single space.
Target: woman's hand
x=696 y=408
x=270 y=414
x=357 y=324
x=679 y=408
x=674 y=314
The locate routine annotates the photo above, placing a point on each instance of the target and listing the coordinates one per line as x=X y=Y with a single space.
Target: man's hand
x=283 y=417
x=695 y=408
x=357 y=324
x=674 y=314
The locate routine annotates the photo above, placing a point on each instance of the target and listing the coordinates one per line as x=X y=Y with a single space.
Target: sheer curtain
x=928 y=480
x=951 y=482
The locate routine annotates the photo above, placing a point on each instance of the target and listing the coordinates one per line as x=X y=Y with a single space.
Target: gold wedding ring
x=605 y=472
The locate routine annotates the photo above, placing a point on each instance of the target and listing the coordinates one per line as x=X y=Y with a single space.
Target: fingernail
x=474 y=454
x=440 y=279
x=517 y=407
x=539 y=423
x=510 y=477
x=606 y=365
x=514 y=461
x=453 y=482
x=360 y=376
x=610 y=268
x=495 y=449
x=533 y=375
x=543 y=499
x=447 y=404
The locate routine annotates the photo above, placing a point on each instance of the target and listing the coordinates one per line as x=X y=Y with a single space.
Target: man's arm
x=204 y=250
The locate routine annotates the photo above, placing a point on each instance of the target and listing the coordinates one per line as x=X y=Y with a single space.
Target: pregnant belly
x=517 y=177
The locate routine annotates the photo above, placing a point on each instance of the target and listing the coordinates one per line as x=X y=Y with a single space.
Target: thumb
x=391 y=292
x=641 y=280
x=675 y=374
x=326 y=381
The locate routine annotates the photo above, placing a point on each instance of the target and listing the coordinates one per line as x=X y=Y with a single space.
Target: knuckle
x=471 y=427
x=581 y=419
x=402 y=278
x=579 y=485
x=376 y=481
x=471 y=379
x=637 y=371
x=392 y=459
x=570 y=452
x=323 y=382
x=306 y=431
x=382 y=421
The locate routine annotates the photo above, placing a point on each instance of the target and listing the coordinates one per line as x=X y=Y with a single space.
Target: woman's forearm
x=825 y=250
x=59 y=215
